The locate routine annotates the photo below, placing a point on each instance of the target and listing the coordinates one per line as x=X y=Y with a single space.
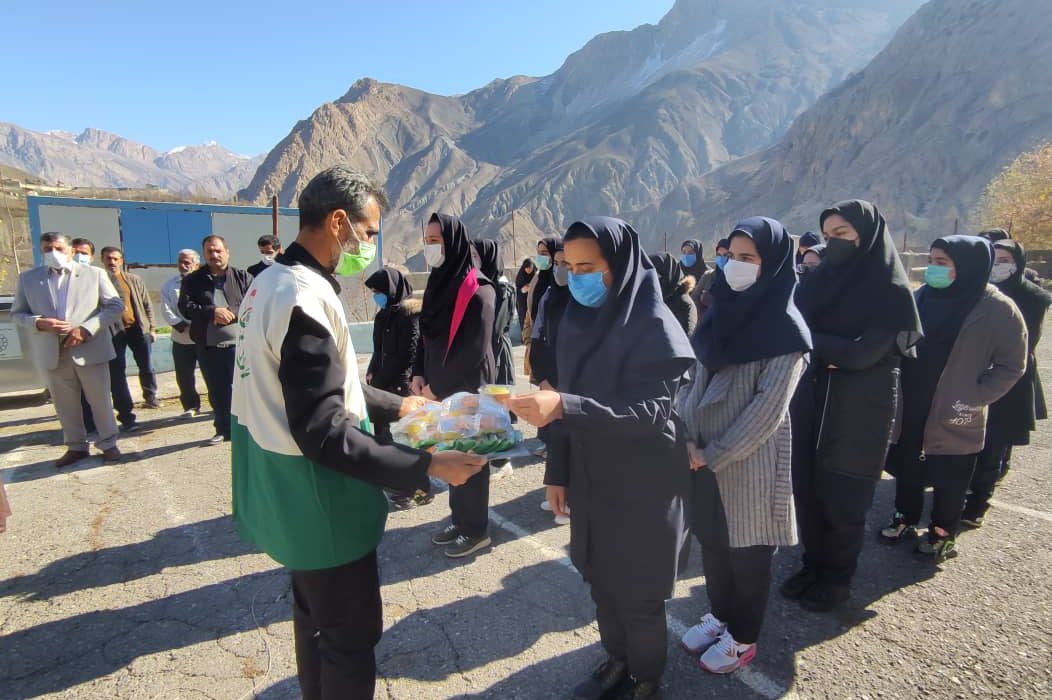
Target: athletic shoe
x=974 y=523
x=130 y=428
x=546 y=506
x=401 y=502
x=152 y=403
x=796 y=585
x=446 y=535
x=422 y=498
x=726 y=655
x=216 y=439
x=604 y=682
x=562 y=519
x=824 y=597
x=703 y=635
x=941 y=547
x=897 y=530
x=497 y=473
x=464 y=546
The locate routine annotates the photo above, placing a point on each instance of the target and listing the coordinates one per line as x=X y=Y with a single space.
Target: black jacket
x=503 y=312
x=396 y=336
x=196 y=299
x=469 y=362
x=683 y=308
x=1014 y=416
x=843 y=418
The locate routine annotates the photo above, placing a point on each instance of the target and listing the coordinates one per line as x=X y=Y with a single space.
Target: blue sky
x=173 y=73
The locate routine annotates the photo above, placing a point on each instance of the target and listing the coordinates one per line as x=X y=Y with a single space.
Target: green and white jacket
x=308 y=476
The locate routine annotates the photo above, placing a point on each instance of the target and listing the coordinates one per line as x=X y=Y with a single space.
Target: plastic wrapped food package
x=467 y=422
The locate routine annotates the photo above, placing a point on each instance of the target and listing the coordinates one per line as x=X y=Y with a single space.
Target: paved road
x=129 y=581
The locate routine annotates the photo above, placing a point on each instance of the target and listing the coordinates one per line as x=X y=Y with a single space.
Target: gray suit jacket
x=92 y=304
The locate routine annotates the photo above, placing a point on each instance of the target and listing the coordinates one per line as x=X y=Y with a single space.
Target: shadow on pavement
x=183 y=545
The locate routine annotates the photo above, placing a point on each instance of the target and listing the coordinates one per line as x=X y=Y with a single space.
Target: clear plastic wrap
x=476 y=423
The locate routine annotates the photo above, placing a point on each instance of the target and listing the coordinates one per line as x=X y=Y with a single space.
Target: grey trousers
x=65 y=383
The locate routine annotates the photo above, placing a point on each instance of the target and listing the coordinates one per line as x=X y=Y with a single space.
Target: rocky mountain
x=96 y=158
x=962 y=89
x=621 y=123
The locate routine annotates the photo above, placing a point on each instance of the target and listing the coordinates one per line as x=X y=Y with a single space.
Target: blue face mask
x=380 y=299
x=588 y=289
x=688 y=259
x=937 y=277
x=721 y=260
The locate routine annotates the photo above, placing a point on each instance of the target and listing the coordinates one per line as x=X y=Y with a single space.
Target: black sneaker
x=401 y=502
x=464 y=546
x=605 y=682
x=446 y=535
x=130 y=428
x=152 y=403
x=824 y=597
x=796 y=585
x=941 y=547
x=897 y=530
x=422 y=498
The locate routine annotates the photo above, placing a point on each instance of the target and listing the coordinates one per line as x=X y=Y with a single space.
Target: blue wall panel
x=144 y=233
x=186 y=229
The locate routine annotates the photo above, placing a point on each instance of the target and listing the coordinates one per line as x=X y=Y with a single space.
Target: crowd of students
x=815 y=366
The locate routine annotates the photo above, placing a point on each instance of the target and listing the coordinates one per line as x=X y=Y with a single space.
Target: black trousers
x=184 y=357
x=988 y=469
x=470 y=504
x=633 y=631
x=737 y=579
x=139 y=343
x=950 y=475
x=831 y=517
x=337 y=620
x=217 y=364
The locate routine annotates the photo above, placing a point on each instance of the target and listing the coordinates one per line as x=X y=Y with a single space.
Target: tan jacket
x=986 y=361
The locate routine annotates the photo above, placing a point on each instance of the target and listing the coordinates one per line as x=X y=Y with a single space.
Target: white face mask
x=434 y=255
x=56 y=259
x=1002 y=271
x=268 y=260
x=740 y=275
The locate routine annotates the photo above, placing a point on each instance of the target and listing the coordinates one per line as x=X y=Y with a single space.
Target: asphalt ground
x=129 y=581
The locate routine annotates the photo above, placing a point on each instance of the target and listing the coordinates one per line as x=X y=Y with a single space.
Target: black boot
x=604 y=681
x=647 y=690
x=796 y=585
x=824 y=597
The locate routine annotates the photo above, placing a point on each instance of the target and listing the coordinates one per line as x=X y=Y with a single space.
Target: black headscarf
x=544 y=277
x=995 y=234
x=489 y=258
x=761 y=322
x=443 y=285
x=869 y=290
x=523 y=277
x=819 y=250
x=391 y=282
x=808 y=240
x=699 y=268
x=670 y=273
x=723 y=243
x=634 y=310
x=1019 y=256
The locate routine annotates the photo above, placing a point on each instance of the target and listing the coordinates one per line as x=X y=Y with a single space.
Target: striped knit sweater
x=740 y=418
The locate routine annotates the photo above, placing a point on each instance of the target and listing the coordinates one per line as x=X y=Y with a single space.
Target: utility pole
x=666 y=241
x=955 y=223
x=274 y=214
x=514 y=238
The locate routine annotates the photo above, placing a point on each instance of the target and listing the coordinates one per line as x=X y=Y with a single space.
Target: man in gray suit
x=68 y=310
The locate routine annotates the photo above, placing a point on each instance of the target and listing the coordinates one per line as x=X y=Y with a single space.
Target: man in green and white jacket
x=308 y=475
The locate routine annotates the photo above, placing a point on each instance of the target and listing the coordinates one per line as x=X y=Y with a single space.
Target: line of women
x=773 y=421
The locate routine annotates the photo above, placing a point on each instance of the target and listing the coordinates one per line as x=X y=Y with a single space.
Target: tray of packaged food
x=475 y=423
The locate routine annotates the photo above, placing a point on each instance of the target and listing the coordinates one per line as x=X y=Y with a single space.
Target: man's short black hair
x=338 y=187
x=110 y=249
x=213 y=237
x=270 y=240
x=82 y=241
x=52 y=236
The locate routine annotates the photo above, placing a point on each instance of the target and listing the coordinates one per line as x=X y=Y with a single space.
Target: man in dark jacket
x=210 y=299
x=269 y=247
x=135 y=331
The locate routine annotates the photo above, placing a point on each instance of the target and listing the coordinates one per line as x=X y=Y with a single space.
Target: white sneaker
x=498 y=473
x=546 y=506
x=703 y=635
x=726 y=655
x=562 y=519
